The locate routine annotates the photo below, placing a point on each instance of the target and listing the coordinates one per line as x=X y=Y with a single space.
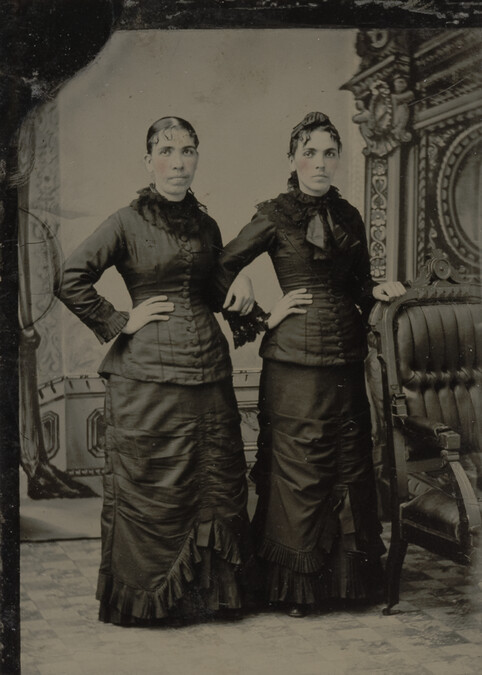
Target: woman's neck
x=313 y=194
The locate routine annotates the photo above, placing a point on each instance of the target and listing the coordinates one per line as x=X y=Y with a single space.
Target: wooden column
x=383 y=91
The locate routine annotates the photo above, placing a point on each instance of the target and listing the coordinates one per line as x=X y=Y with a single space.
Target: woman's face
x=315 y=161
x=172 y=163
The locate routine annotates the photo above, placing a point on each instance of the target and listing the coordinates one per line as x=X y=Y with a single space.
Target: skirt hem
x=354 y=579
x=213 y=570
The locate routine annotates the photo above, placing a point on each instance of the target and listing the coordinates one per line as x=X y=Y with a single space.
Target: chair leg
x=396 y=556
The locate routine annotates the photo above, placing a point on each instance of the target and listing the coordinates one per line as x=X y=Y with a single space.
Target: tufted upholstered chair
x=429 y=344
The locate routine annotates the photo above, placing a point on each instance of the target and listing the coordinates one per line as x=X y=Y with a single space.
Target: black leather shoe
x=296 y=612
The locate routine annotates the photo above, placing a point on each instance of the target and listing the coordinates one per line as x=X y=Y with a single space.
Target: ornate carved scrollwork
x=436 y=269
x=437 y=145
x=447 y=67
x=447 y=70
x=382 y=90
x=422 y=195
x=383 y=93
x=449 y=210
x=375 y=44
x=383 y=116
x=458 y=186
x=421 y=89
x=378 y=219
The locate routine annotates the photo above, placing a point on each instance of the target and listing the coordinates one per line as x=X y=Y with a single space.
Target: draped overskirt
x=175 y=532
x=316 y=525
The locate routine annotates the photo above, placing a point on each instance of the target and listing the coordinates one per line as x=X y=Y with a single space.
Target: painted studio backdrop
x=408 y=108
x=243 y=91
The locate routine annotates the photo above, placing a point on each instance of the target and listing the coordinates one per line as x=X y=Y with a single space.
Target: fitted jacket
x=159 y=248
x=336 y=270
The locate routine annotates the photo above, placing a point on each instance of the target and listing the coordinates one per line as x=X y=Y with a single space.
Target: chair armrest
x=435 y=433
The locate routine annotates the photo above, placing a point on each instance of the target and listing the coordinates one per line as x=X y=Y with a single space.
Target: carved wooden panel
x=450 y=217
x=448 y=124
x=383 y=92
x=421 y=90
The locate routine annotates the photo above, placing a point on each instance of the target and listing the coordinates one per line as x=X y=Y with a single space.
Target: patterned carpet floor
x=438 y=631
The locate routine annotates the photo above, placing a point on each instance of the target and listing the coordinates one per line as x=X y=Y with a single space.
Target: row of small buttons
x=335 y=310
x=336 y=321
x=186 y=252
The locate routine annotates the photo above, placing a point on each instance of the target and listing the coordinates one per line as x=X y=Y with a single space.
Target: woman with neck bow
x=316 y=527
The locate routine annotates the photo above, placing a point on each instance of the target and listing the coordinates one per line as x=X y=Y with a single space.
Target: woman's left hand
x=240 y=296
x=389 y=290
x=288 y=304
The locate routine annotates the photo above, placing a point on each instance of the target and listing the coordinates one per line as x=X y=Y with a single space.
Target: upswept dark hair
x=311 y=122
x=165 y=124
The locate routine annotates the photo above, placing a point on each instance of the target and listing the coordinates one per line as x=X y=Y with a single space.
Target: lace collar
x=301 y=207
x=296 y=208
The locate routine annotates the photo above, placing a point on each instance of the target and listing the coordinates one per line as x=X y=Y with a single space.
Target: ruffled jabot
x=321 y=218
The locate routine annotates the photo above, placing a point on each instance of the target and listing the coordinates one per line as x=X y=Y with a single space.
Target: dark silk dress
x=174 y=522
x=316 y=526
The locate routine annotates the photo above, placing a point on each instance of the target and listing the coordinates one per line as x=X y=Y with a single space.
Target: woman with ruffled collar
x=316 y=526
x=174 y=524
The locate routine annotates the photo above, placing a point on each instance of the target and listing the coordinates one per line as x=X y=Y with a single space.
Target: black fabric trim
x=184 y=217
x=296 y=208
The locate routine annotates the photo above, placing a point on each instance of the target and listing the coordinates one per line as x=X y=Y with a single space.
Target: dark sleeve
x=362 y=282
x=254 y=239
x=213 y=293
x=83 y=269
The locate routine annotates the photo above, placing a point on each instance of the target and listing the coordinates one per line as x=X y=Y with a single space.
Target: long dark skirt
x=174 y=520
x=316 y=525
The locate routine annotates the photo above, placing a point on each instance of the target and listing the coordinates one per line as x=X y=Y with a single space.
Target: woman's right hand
x=152 y=309
x=289 y=304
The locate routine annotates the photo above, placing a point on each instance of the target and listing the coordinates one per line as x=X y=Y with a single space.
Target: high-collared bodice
x=163 y=249
x=338 y=277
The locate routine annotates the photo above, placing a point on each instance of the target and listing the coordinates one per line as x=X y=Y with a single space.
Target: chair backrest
x=429 y=344
x=438 y=350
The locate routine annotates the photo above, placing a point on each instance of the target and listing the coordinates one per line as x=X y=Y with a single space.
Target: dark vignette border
x=45 y=42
